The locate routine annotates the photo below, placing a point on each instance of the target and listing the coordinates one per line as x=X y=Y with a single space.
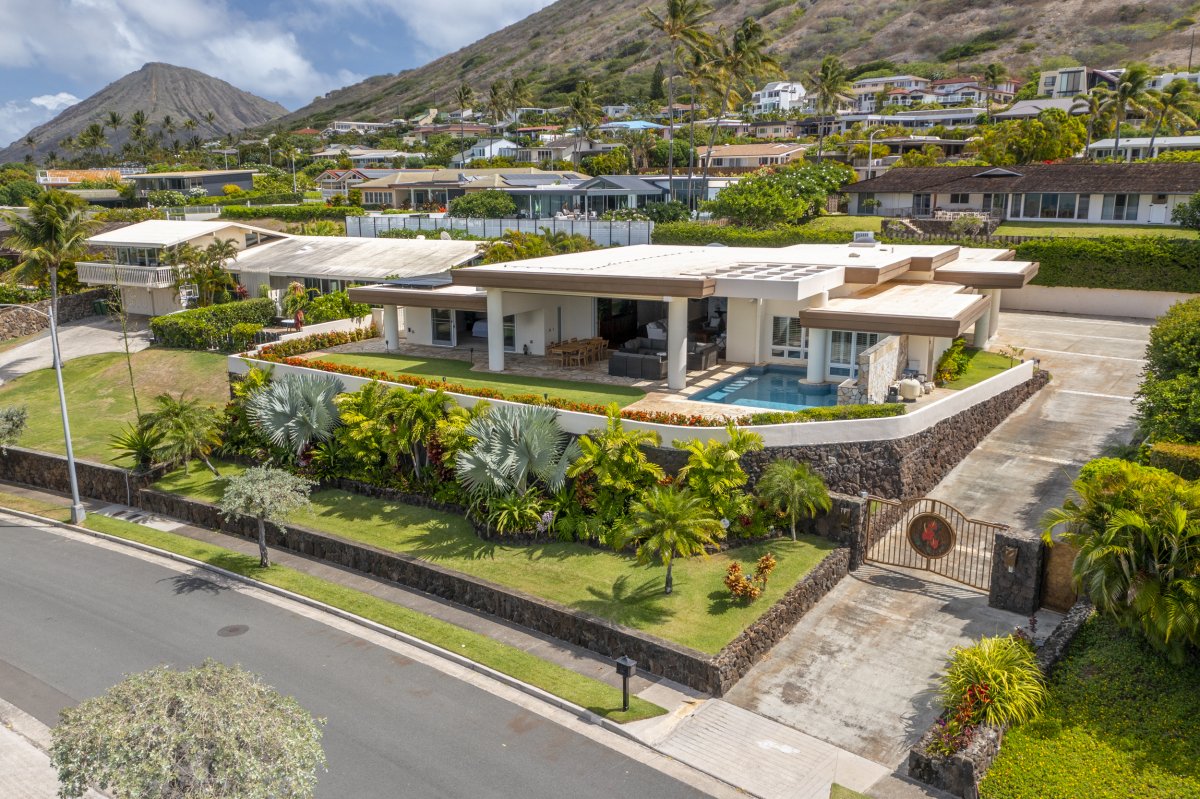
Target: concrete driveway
x=1025 y=467
x=90 y=336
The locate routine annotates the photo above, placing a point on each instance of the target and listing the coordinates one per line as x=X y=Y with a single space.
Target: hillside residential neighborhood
x=685 y=400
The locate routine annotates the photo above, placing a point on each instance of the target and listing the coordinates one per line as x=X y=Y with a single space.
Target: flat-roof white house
x=139 y=260
x=1137 y=147
x=211 y=182
x=484 y=148
x=839 y=319
x=1069 y=82
x=777 y=96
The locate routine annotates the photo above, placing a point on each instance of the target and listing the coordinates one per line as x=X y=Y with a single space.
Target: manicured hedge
x=290 y=213
x=316 y=341
x=701 y=233
x=332 y=306
x=1141 y=263
x=829 y=413
x=256 y=199
x=1182 y=459
x=212 y=327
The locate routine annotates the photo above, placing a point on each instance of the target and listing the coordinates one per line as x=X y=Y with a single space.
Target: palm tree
x=795 y=490
x=993 y=74
x=464 y=97
x=497 y=102
x=1129 y=95
x=829 y=85
x=92 y=138
x=31 y=142
x=414 y=416
x=738 y=64
x=189 y=125
x=667 y=523
x=680 y=25
x=114 y=121
x=1173 y=105
x=585 y=110
x=188 y=428
x=616 y=457
x=210 y=118
x=1093 y=105
x=699 y=75
x=137 y=128
x=296 y=411
x=515 y=447
x=519 y=93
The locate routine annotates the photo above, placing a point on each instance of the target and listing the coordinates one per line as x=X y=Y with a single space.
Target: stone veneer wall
x=1019 y=590
x=16 y=322
x=96 y=480
x=878 y=367
x=961 y=773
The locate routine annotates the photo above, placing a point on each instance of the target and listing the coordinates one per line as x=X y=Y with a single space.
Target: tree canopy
x=781 y=196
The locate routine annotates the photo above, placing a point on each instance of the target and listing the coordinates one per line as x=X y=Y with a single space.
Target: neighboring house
x=897 y=146
x=484 y=148
x=140 y=255
x=212 y=182
x=1160 y=82
x=461 y=114
x=563 y=148
x=417 y=188
x=1069 y=193
x=748 y=157
x=780 y=96
x=538 y=197
x=355 y=126
x=1029 y=109
x=61 y=178
x=920 y=119
x=471 y=130
x=334 y=182
x=732 y=126
x=763 y=129
x=366 y=156
x=863 y=91
x=631 y=125
x=821 y=308
x=1137 y=147
x=1069 y=82
x=306 y=132
x=616 y=111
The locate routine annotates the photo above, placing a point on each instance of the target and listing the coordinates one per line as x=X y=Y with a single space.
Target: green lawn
x=1121 y=723
x=846 y=222
x=584 y=691
x=982 y=365
x=99 y=400
x=1056 y=229
x=840 y=792
x=460 y=372
x=698 y=614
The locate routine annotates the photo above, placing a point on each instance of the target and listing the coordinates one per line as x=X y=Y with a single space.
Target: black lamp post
x=626 y=667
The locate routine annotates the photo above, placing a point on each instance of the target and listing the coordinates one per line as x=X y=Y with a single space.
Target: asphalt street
x=74 y=618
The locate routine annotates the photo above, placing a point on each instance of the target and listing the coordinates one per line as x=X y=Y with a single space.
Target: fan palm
x=189 y=429
x=296 y=411
x=795 y=490
x=737 y=65
x=515 y=447
x=1174 y=105
x=1094 y=106
x=1129 y=94
x=681 y=26
x=667 y=524
x=828 y=85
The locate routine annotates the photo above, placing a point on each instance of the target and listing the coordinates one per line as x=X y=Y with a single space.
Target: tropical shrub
x=139 y=443
x=953 y=363
x=489 y=204
x=315 y=341
x=1005 y=668
x=1116 y=262
x=1169 y=410
x=517 y=246
x=12 y=424
x=794 y=491
x=615 y=459
x=210 y=327
x=702 y=233
x=1137 y=529
x=670 y=211
x=243 y=335
x=714 y=473
x=166 y=199
x=778 y=196
x=666 y=523
x=332 y=306
x=1174 y=346
x=515 y=513
x=296 y=410
x=290 y=213
x=1182 y=459
x=186 y=429
x=450 y=233
x=749 y=588
x=514 y=449
x=624 y=215
x=827 y=413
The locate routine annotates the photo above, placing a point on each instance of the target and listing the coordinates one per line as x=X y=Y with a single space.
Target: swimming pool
x=776 y=388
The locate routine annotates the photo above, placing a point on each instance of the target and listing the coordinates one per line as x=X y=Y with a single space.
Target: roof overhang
x=452 y=297
x=989 y=274
x=917 y=309
x=600 y=285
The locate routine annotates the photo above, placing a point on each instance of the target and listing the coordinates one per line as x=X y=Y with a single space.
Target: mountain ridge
x=160 y=90
x=551 y=46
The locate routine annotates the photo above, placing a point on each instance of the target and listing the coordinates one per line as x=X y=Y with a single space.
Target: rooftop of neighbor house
x=1140 y=178
x=382 y=260
x=751 y=150
x=167 y=233
x=494 y=175
x=198 y=173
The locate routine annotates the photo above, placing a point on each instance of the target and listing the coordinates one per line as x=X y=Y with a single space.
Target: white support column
x=818 y=355
x=495 y=328
x=391 y=328
x=677 y=318
x=981 y=329
x=994 y=313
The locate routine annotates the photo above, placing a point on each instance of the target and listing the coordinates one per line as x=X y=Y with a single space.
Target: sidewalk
x=757 y=755
x=25 y=770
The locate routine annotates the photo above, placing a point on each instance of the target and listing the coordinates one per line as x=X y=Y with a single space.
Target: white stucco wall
x=418 y=325
x=1092 y=302
x=150 y=302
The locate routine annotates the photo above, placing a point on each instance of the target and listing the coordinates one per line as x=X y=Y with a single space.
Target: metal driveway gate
x=934 y=536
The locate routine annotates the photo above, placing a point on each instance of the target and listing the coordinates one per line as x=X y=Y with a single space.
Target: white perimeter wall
x=1091 y=302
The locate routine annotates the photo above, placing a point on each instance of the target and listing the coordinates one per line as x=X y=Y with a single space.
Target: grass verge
x=602 y=699
x=460 y=372
x=1060 y=230
x=980 y=367
x=700 y=613
x=1121 y=723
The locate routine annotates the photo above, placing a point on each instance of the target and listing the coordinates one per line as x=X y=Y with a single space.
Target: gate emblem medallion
x=931 y=535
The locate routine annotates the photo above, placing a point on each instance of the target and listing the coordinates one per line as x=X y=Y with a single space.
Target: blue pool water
x=776 y=388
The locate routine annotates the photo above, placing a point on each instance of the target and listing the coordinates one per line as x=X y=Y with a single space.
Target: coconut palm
x=584 y=109
x=993 y=74
x=114 y=120
x=1094 y=106
x=699 y=75
x=464 y=97
x=666 y=524
x=793 y=489
x=828 y=85
x=738 y=65
x=31 y=141
x=515 y=447
x=1174 y=105
x=681 y=27
x=1129 y=94
x=210 y=118
x=167 y=125
x=519 y=93
x=189 y=429
x=92 y=138
x=296 y=411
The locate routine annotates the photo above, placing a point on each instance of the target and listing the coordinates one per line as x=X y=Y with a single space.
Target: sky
x=54 y=53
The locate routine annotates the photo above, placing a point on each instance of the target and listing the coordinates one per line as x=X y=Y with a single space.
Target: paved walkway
x=89 y=336
x=25 y=770
x=1025 y=467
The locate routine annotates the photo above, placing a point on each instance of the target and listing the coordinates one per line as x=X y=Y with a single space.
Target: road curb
x=537 y=693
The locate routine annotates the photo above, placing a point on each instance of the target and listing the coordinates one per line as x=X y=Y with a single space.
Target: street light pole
x=292 y=156
x=77 y=512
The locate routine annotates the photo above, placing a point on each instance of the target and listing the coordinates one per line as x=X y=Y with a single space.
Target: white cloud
x=18 y=117
x=54 y=102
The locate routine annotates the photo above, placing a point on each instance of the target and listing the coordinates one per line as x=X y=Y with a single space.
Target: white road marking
x=1025 y=331
x=1094 y=394
x=1088 y=355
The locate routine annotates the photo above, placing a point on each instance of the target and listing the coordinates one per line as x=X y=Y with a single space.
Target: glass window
x=443 y=326
x=1049 y=206
x=789 y=339
x=960 y=199
x=1083 y=206
x=510 y=333
x=1120 y=207
x=1066 y=206
x=1032 y=206
x=844 y=349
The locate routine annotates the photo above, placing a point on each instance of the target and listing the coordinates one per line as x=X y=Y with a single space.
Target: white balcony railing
x=100 y=273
